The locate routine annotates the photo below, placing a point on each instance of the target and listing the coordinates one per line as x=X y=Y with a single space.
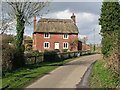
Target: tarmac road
x=66 y=76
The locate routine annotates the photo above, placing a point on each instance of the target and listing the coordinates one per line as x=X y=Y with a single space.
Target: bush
x=12 y=57
x=19 y=59
x=7 y=56
x=28 y=53
x=51 y=56
x=28 y=47
x=36 y=53
x=64 y=50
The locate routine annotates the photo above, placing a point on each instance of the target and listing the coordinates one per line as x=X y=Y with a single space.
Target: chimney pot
x=73 y=14
x=73 y=18
x=34 y=22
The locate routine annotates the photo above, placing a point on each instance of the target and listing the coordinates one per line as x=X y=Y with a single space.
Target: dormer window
x=46 y=35
x=65 y=36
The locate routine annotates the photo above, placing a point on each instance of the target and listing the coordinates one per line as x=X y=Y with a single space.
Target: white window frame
x=48 y=45
x=64 y=36
x=65 y=47
x=48 y=35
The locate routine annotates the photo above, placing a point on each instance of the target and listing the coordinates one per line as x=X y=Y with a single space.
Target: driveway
x=66 y=76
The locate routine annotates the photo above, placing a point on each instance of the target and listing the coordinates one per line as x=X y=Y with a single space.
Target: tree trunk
x=20 y=31
x=19 y=60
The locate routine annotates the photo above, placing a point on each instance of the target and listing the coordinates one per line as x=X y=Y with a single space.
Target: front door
x=56 y=45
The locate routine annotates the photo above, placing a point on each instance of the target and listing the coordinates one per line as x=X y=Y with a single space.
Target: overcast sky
x=87 y=15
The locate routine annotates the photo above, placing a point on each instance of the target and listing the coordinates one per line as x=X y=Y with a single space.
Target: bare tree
x=84 y=40
x=7 y=24
x=22 y=12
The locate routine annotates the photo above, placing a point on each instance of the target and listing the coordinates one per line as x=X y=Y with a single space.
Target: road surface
x=66 y=76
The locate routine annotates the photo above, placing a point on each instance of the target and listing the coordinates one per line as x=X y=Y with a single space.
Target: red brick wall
x=79 y=45
x=38 y=41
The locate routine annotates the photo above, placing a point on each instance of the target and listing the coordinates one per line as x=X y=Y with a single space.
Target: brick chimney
x=73 y=18
x=34 y=22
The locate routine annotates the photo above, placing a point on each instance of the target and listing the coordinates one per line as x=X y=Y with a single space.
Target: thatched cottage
x=55 y=34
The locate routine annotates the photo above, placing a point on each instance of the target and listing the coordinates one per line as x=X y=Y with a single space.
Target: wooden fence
x=62 y=56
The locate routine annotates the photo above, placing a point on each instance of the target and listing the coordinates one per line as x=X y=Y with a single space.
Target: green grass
x=97 y=50
x=22 y=76
x=101 y=77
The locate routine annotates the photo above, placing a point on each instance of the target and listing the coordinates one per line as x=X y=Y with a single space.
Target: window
x=46 y=35
x=65 y=36
x=46 y=45
x=65 y=45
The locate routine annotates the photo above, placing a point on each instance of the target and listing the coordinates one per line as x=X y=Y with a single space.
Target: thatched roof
x=56 y=26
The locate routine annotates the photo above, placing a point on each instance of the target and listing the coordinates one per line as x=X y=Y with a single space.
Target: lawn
x=25 y=75
x=101 y=77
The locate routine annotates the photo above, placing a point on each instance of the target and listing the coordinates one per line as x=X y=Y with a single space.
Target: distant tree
x=27 y=38
x=7 y=38
x=110 y=24
x=83 y=40
x=22 y=12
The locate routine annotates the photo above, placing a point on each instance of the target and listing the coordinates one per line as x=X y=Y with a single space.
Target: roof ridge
x=54 y=20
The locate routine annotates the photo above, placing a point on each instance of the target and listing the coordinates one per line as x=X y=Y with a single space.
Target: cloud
x=87 y=14
x=90 y=7
x=81 y=36
x=85 y=21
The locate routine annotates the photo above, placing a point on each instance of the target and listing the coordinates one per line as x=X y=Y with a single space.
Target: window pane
x=46 y=35
x=64 y=45
x=47 y=44
x=65 y=35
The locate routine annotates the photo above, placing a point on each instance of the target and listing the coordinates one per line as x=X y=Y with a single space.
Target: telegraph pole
x=94 y=40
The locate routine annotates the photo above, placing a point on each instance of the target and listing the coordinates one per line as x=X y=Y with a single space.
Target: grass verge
x=102 y=77
x=25 y=75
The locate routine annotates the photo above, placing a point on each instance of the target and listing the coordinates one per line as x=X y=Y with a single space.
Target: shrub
x=45 y=50
x=51 y=56
x=19 y=59
x=35 y=53
x=28 y=47
x=57 y=50
x=64 y=50
x=7 y=56
x=28 y=53
x=12 y=57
